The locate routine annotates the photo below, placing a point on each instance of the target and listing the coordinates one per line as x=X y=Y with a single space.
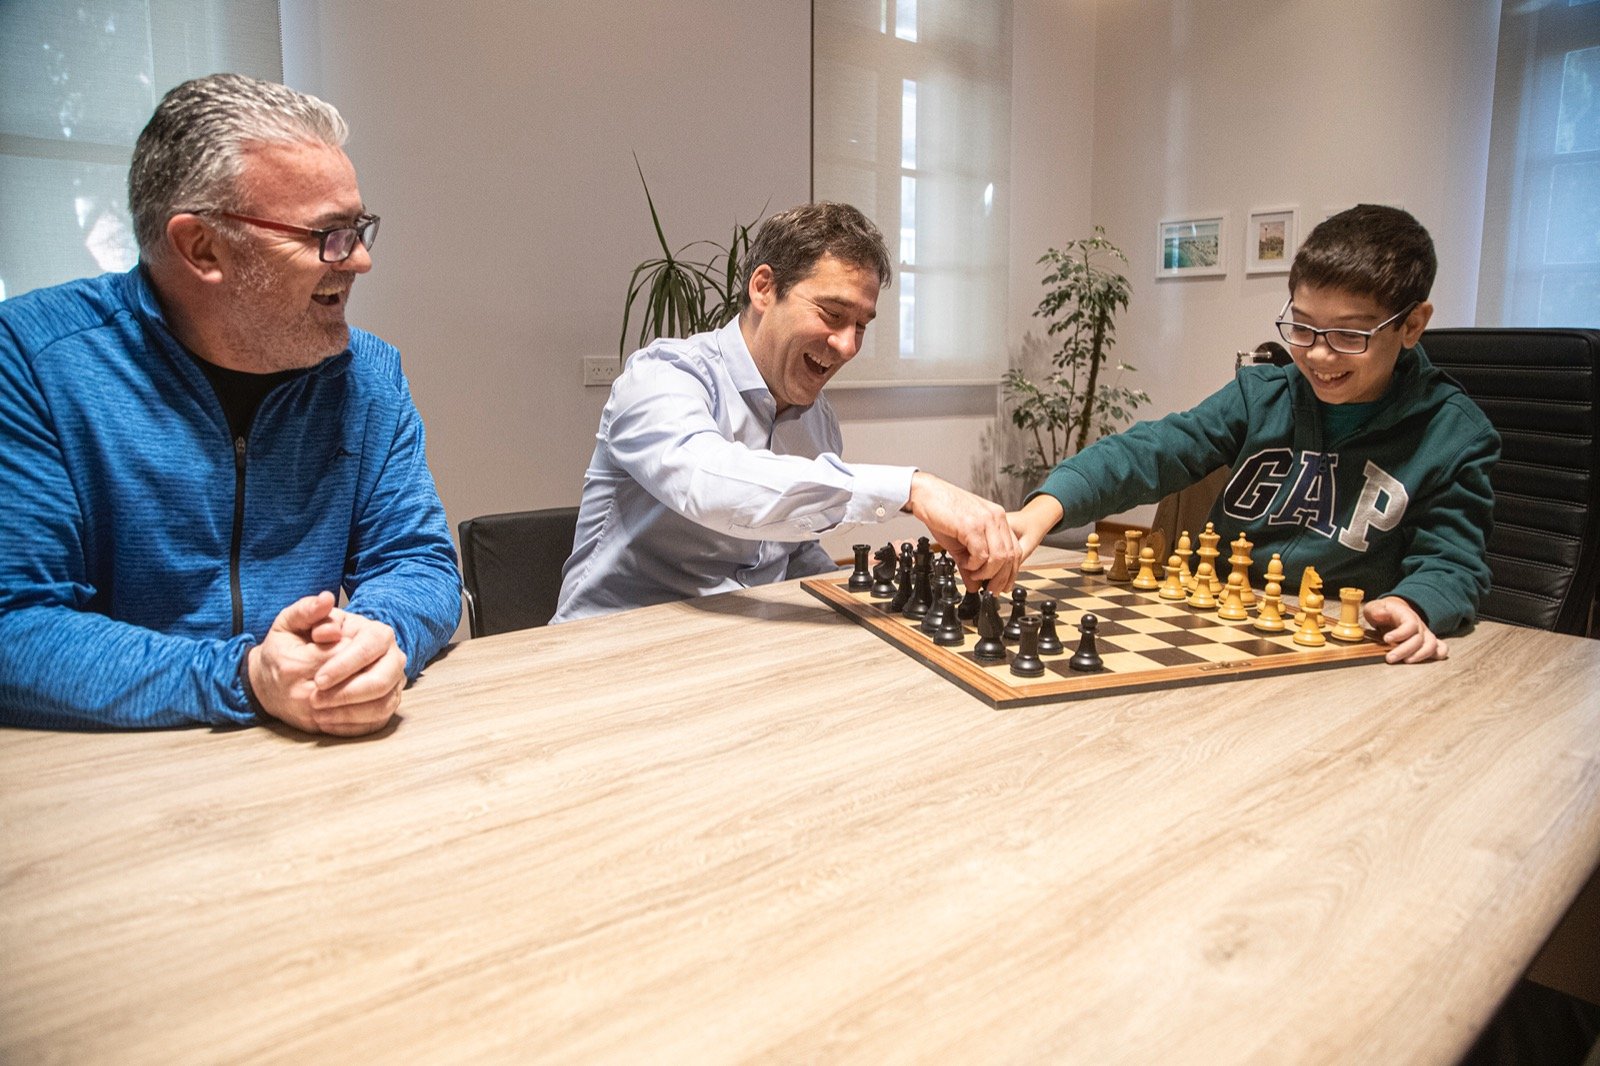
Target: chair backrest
x=511 y=567
x=1538 y=388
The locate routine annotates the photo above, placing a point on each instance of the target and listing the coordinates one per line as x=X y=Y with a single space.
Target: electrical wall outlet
x=600 y=371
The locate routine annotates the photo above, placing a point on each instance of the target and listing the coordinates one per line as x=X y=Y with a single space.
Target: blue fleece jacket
x=133 y=576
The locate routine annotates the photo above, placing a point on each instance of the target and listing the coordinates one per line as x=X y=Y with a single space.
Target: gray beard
x=260 y=337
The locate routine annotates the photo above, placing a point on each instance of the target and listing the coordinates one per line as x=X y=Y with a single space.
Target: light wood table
x=747 y=829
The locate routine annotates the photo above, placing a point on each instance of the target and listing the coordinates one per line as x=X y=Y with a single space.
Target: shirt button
x=880 y=512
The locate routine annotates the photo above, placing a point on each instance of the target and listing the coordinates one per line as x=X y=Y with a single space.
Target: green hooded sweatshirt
x=1399 y=504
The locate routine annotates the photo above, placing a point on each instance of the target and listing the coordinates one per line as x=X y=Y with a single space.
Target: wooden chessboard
x=1144 y=641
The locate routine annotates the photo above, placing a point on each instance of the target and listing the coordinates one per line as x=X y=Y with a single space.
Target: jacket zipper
x=238 y=535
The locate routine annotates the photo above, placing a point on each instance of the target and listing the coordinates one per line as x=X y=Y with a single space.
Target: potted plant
x=683 y=296
x=1073 y=399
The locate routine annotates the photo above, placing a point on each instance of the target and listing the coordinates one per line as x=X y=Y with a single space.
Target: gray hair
x=191 y=152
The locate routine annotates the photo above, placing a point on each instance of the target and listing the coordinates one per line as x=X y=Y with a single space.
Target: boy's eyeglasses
x=334 y=244
x=1343 y=341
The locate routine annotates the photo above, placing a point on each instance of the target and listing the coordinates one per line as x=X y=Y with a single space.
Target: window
x=1542 y=234
x=78 y=81
x=912 y=124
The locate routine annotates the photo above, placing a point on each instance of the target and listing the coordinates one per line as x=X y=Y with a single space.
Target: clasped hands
x=325 y=670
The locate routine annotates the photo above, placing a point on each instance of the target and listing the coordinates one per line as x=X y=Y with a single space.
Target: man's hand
x=1036 y=518
x=1402 y=628
x=973 y=530
x=323 y=670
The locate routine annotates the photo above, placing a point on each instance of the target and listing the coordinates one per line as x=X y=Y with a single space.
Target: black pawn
x=989 y=649
x=951 y=632
x=969 y=607
x=860 y=577
x=1019 y=610
x=902 y=594
x=1049 y=642
x=1087 y=660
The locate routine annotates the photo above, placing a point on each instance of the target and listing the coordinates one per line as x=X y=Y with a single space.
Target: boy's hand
x=1036 y=518
x=1402 y=628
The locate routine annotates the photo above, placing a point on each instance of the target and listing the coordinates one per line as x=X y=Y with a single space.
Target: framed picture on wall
x=1269 y=241
x=1192 y=247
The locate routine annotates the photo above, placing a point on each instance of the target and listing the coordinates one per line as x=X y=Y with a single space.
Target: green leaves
x=682 y=296
x=1082 y=297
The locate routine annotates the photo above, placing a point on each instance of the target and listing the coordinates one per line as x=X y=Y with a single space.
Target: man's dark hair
x=1376 y=251
x=792 y=241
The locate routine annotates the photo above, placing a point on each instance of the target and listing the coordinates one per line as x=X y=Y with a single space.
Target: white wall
x=495 y=140
x=947 y=430
x=1207 y=105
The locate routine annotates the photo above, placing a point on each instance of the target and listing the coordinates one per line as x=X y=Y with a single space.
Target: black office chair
x=511 y=567
x=1538 y=387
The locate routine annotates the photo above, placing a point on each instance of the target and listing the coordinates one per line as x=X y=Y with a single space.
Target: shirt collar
x=737 y=358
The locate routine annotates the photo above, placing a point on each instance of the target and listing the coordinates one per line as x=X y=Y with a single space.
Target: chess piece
x=1087 y=660
x=1240 y=561
x=1119 y=562
x=1310 y=632
x=1275 y=570
x=1184 y=551
x=921 y=601
x=930 y=622
x=989 y=649
x=1310 y=581
x=1091 y=556
x=905 y=581
x=1209 y=554
x=1349 y=625
x=1049 y=642
x=969 y=607
x=1202 y=597
x=860 y=577
x=1269 y=612
x=1172 y=587
x=1233 y=600
x=1133 y=539
x=1019 y=611
x=1156 y=541
x=950 y=632
x=1026 y=663
x=1147 y=570
x=883 y=573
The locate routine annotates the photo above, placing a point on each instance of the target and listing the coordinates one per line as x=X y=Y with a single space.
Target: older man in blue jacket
x=198 y=454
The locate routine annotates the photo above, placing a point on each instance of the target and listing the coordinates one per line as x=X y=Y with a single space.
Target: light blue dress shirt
x=698 y=487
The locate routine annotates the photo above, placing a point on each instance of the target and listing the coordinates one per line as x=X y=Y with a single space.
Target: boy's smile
x=1336 y=377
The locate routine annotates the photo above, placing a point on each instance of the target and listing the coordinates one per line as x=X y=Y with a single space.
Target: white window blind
x=1541 y=249
x=912 y=124
x=78 y=81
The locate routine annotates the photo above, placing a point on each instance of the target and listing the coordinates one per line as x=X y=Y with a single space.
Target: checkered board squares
x=1145 y=642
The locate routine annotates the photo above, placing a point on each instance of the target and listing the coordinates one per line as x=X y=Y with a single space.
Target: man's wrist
x=251 y=699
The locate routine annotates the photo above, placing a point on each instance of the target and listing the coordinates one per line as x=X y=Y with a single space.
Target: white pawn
x=1172 y=587
x=1310 y=632
x=1233 y=600
x=1201 y=596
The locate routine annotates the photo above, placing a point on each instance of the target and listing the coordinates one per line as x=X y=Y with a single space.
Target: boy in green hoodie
x=1360 y=458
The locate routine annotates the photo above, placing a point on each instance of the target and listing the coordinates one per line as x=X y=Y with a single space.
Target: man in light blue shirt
x=717 y=463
